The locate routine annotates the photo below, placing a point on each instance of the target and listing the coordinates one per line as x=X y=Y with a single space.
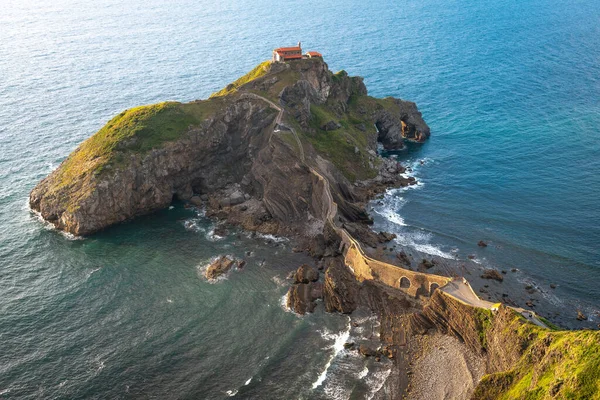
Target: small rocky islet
x=271 y=153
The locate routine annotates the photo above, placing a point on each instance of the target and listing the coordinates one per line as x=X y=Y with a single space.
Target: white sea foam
x=204 y=266
x=337 y=347
x=283 y=303
x=376 y=380
x=279 y=281
x=231 y=393
x=273 y=238
x=92 y=272
x=194 y=225
x=248 y=382
x=212 y=237
x=363 y=373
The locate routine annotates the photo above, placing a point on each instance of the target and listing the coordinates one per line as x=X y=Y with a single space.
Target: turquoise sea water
x=510 y=89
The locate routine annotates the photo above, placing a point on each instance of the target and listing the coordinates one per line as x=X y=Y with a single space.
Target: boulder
x=427 y=263
x=385 y=237
x=481 y=243
x=219 y=267
x=403 y=257
x=492 y=274
x=581 y=316
x=197 y=201
x=367 y=351
x=331 y=126
x=220 y=230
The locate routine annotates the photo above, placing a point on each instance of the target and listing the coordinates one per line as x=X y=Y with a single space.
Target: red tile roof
x=289 y=49
x=314 y=54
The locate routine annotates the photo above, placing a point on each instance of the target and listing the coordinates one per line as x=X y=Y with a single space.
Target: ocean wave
x=279 y=281
x=92 y=272
x=363 y=373
x=283 y=304
x=376 y=381
x=194 y=225
x=213 y=237
x=338 y=346
x=50 y=227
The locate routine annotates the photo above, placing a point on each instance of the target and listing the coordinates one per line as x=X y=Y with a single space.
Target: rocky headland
x=291 y=149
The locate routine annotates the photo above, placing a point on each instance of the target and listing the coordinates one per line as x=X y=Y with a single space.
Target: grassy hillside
x=258 y=71
x=555 y=365
x=136 y=130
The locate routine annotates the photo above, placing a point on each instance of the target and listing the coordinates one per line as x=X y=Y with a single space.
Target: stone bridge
x=366 y=268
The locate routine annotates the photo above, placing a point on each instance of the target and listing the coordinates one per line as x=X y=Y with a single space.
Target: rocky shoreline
x=293 y=152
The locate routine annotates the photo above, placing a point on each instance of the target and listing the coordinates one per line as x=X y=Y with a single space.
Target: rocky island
x=291 y=149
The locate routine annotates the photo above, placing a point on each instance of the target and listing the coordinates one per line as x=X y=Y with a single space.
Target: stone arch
x=404 y=283
x=432 y=287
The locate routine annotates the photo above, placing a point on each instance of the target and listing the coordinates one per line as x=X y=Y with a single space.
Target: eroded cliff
x=242 y=152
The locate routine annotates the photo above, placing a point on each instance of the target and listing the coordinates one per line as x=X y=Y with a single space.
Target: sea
x=510 y=89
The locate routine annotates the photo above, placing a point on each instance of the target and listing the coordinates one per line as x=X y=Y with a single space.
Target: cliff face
x=245 y=152
x=522 y=360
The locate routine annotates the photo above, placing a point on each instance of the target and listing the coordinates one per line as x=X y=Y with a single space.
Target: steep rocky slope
x=238 y=151
x=523 y=361
x=258 y=154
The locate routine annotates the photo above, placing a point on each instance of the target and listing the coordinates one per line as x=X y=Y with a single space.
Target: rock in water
x=301 y=297
x=306 y=274
x=481 y=243
x=492 y=274
x=581 y=316
x=219 y=267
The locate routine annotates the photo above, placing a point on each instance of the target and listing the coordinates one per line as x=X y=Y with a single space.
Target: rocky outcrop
x=303 y=294
x=492 y=274
x=306 y=274
x=405 y=122
x=219 y=267
x=301 y=298
x=224 y=154
x=340 y=289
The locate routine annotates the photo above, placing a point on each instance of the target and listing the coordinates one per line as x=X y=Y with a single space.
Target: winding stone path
x=365 y=267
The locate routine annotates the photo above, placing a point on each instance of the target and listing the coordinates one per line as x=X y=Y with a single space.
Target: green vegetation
x=484 y=317
x=258 y=71
x=136 y=130
x=554 y=365
x=338 y=76
x=345 y=147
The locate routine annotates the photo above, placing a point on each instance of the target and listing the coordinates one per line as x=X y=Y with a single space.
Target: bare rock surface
x=445 y=369
x=219 y=267
x=228 y=157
